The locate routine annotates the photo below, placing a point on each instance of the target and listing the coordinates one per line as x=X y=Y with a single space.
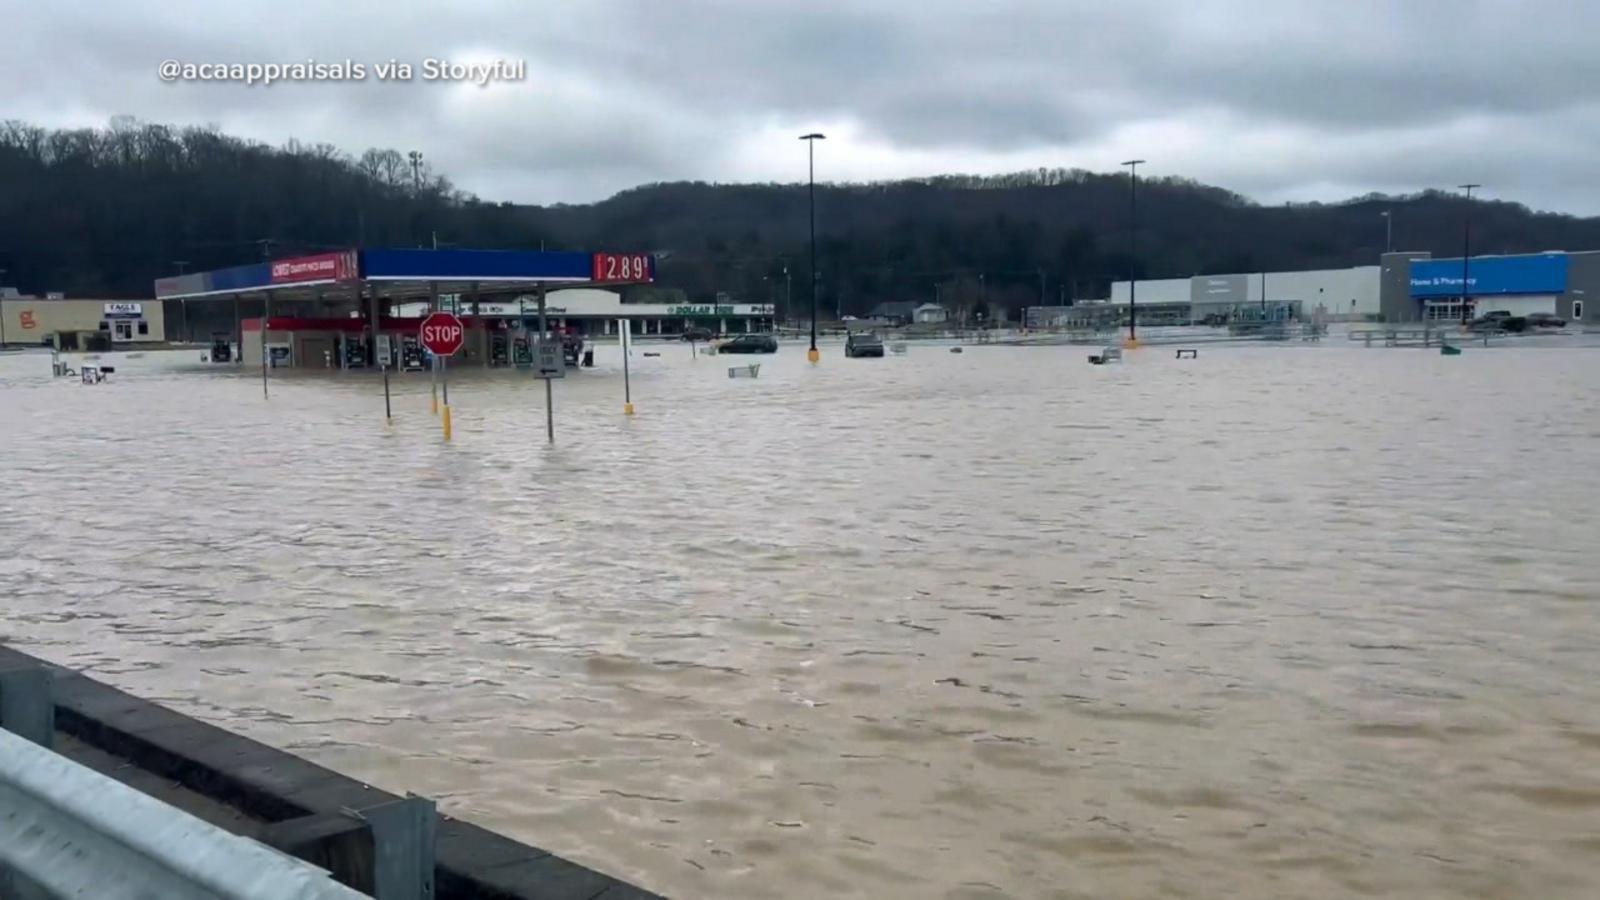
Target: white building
x=929 y=313
x=80 y=324
x=1351 y=293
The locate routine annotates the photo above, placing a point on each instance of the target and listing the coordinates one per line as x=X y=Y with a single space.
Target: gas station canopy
x=399 y=274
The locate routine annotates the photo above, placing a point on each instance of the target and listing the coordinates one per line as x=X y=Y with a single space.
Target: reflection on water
x=1279 y=621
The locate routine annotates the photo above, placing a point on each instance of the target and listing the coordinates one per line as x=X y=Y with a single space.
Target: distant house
x=929 y=313
x=896 y=312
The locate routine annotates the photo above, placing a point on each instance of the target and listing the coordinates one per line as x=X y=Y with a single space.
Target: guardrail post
x=403 y=845
x=28 y=710
x=386 y=851
x=27 y=704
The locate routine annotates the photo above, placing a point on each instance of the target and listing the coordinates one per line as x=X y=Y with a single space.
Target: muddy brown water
x=1275 y=622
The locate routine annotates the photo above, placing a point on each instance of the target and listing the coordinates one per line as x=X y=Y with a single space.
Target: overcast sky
x=1276 y=99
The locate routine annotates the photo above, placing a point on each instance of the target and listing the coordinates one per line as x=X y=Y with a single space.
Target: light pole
x=1466 y=253
x=1388 y=230
x=1133 y=249
x=983 y=297
x=811 y=183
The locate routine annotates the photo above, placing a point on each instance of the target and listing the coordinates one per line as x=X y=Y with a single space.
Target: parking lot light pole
x=1133 y=249
x=811 y=183
x=1466 y=254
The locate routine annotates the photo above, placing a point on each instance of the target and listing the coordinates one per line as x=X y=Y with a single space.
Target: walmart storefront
x=1416 y=287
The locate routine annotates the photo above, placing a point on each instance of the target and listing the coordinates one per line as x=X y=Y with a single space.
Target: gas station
x=339 y=309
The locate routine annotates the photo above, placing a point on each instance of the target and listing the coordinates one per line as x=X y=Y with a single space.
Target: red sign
x=624 y=267
x=339 y=266
x=442 y=334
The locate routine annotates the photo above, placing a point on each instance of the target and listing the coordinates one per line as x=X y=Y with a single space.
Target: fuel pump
x=410 y=353
x=355 y=351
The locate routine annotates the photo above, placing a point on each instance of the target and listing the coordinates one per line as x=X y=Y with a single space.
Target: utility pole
x=1466 y=255
x=416 y=169
x=1133 y=249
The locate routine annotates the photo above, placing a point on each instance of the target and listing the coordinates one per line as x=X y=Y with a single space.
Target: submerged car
x=750 y=343
x=1498 y=320
x=698 y=333
x=863 y=343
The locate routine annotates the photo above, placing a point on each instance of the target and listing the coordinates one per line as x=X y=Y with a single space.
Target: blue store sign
x=1541 y=274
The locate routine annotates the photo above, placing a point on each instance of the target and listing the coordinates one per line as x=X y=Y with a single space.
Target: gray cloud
x=1308 y=100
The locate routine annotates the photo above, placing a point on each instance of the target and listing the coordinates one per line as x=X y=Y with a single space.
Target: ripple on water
x=989 y=624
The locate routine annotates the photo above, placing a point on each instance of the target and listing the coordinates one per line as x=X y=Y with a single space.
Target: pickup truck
x=1498 y=320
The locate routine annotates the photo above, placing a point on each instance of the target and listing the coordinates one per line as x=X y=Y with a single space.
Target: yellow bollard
x=1130 y=344
x=813 y=354
x=434 y=407
x=627 y=409
x=446 y=418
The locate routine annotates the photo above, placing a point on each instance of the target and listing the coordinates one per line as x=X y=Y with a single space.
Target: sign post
x=443 y=335
x=625 y=329
x=388 y=409
x=433 y=361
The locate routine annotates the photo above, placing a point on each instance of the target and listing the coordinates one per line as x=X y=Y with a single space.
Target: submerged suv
x=863 y=343
x=750 y=343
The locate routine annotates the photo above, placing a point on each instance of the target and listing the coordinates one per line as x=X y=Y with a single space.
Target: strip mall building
x=79 y=324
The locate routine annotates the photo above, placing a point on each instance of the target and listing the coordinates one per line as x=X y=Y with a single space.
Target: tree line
x=105 y=211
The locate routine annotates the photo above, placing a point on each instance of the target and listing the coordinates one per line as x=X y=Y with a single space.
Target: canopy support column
x=388 y=410
x=266 y=317
x=477 y=315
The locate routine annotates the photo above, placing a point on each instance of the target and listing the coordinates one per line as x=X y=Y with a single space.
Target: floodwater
x=1293 y=621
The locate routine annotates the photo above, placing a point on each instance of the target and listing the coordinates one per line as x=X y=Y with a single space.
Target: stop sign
x=442 y=334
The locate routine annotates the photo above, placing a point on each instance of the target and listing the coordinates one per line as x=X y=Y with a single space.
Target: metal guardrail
x=1422 y=337
x=69 y=831
x=73 y=832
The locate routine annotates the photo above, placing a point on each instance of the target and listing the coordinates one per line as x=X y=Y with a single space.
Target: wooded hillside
x=106 y=211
